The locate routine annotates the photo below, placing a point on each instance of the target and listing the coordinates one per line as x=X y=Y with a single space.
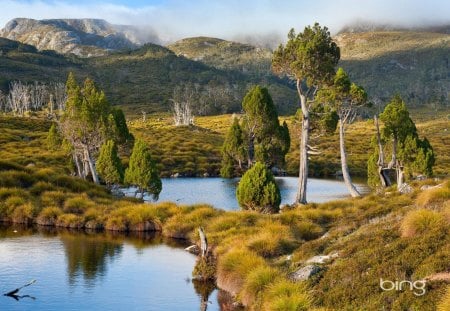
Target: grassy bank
x=385 y=235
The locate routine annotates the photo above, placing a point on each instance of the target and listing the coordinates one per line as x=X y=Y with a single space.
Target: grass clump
x=273 y=239
x=234 y=266
x=285 y=295
x=420 y=221
x=255 y=283
x=77 y=205
x=444 y=302
x=48 y=216
x=70 y=221
x=434 y=196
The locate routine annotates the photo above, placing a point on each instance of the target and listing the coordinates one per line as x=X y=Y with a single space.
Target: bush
x=272 y=240
x=258 y=190
x=420 y=221
x=285 y=295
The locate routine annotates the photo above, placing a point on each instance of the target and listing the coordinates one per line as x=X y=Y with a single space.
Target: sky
x=245 y=20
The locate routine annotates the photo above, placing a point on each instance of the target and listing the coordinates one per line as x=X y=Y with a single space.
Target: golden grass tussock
x=48 y=216
x=183 y=224
x=433 y=196
x=234 y=266
x=444 y=302
x=78 y=204
x=285 y=295
x=273 y=239
x=420 y=221
x=70 y=221
x=255 y=283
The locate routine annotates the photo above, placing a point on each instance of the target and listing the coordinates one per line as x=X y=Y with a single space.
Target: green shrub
x=257 y=190
x=420 y=221
x=40 y=187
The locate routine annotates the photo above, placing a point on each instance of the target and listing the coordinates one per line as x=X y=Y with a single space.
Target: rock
x=305 y=273
x=176 y=175
x=321 y=259
x=421 y=177
x=93 y=225
x=206 y=174
x=31 y=164
x=427 y=187
x=193 y=249
x=405 y=189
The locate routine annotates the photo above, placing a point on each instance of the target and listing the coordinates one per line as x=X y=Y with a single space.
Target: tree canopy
x=109 y=165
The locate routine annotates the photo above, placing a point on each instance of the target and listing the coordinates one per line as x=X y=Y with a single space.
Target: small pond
x=221 y=192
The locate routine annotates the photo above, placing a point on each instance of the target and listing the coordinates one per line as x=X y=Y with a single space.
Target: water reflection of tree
x=203 y=290
x=88 y=255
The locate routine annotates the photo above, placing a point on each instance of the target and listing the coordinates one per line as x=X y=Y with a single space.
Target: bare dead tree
x=182 y=105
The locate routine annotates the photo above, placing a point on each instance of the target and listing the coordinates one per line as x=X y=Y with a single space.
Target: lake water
x=79 y=271
x=221 y=192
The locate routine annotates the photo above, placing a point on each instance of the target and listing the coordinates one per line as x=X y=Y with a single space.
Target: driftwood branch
x=15 y=291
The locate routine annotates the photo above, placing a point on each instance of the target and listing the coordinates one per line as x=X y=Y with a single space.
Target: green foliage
x=232 y=150
x=142 y=171
x=397 y=123
x=109 y=165
x=267 y=141
x=310 y=56
x=285 y=295
x=53 y=138
x=122 y=135
x=257 y=190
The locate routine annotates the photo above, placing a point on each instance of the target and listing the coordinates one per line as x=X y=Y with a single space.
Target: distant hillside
x=414 y=64
x=82 y=37
x=225 y=54
x=142 y=79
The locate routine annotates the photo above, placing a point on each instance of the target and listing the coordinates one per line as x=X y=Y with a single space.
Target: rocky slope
x=82 y=37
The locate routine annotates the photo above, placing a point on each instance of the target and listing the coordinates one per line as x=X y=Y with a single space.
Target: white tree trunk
x=345 y=172
x=91 y=165
x=303 y=168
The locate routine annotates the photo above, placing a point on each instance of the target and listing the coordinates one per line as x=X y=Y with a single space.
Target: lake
x=101 y=271
x=221 y=192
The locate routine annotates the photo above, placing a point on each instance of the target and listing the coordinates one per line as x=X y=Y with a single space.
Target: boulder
x=305 y=273
x=145 y=226
x=405 y=189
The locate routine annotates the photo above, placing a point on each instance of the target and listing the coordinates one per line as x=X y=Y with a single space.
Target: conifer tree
x=109 y=165
x=232 y=150
x=53 y=138
x=309 y=58
x=142 y=171
x=258 y=191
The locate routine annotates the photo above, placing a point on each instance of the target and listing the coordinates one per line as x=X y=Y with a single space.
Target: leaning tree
x=345 y=98
x=309 y=58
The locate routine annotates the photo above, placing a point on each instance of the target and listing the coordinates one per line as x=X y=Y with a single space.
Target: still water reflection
x=82 y=271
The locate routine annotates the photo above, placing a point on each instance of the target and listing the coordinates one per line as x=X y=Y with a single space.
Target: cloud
x=252 y=20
